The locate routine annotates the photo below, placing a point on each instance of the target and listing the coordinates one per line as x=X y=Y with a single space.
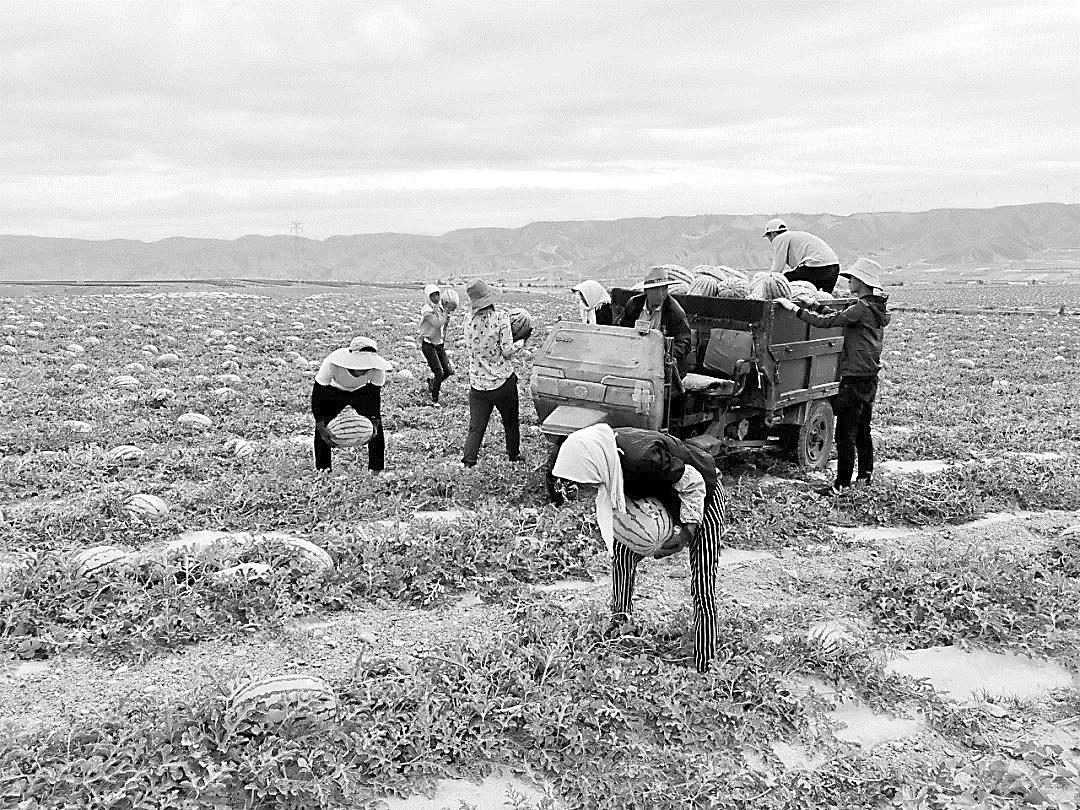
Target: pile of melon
x=719 y=281
x=220 y=551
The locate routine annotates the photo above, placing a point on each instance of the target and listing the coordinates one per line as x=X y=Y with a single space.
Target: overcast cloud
x=149 y=120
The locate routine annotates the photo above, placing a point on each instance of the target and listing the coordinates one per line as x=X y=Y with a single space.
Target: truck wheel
x=815 y=441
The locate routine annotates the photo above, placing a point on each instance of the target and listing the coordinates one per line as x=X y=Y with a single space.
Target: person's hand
x=680 y=539
x=788 y=304
x=323 y=432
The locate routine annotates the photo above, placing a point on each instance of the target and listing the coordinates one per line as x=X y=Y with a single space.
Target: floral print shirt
x=490 y=345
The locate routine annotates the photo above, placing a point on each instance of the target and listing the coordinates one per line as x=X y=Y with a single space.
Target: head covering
x=430 y=290
x=480 y=294
x=591 y=295
x=360 y=355
x=865 y=270
x=774 y=226
x=656 y=277
x=590 y=456
x=593 y=292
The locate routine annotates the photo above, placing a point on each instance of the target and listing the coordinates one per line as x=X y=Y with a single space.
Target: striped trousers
x=704 y=558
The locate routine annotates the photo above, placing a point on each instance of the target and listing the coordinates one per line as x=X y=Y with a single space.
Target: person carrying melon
x=493 y=384
x=433 y=320
x=808 y=256
x=351 y=377
x=594 y=302
x=864 y=325
x=661 y=312
x=624 y=465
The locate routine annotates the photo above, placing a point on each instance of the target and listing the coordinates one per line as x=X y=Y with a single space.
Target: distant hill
x=1022 y=238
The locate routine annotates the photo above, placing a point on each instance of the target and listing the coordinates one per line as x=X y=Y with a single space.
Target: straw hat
x=656 y=277
x=480 y=294
x=360 y=355
x=774 y=226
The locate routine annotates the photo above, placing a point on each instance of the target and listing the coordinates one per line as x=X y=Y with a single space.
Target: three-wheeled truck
x=757 y=377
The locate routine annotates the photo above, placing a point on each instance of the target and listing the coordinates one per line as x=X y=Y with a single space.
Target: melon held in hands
x=521 y=324
x=645 y=526
x=350 y=429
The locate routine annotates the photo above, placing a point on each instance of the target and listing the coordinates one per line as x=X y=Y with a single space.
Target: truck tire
x=813 y=446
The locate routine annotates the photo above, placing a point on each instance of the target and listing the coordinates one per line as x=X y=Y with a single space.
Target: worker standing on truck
x=636 y=463
x=662 y=312
x=864 y=325
x=594 y=302
x=808 y=256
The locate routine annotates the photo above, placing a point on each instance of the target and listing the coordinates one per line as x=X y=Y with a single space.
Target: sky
x=150 y=120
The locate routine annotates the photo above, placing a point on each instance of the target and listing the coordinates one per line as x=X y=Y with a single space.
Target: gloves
x=787 y=304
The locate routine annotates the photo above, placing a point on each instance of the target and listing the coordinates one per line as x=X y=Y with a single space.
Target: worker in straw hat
x=864 y=325
x=658 y=310
x=629 y=463
x=493 y=384
x=350 y=377
x=808 y=257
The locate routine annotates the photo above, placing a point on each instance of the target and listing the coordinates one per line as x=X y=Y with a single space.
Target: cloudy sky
x=149 y=120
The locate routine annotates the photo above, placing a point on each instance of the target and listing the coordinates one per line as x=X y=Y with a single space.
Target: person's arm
x=506 y=336
x=632 y=312
x=691 y=491
x=321 y=409
x=779 y=246
x=680 y=331
x=845 y=317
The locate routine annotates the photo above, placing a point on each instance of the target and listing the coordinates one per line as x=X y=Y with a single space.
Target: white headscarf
x=594 y=295
x=430 y=290
x=590 y=456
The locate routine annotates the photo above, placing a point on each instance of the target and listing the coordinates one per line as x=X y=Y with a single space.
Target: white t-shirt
x=338 y=377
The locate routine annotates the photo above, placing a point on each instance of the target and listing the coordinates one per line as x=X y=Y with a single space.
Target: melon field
x=192 y=617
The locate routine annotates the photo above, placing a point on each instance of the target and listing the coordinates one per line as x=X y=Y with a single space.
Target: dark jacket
x=653 y=462
x=673 y=324
x=864 y=325
x=604 y=316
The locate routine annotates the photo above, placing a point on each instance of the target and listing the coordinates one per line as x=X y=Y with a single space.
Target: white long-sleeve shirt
x=794 y=248
x=691 y=490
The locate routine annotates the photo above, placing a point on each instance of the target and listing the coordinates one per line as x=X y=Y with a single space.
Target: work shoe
x=863 y=481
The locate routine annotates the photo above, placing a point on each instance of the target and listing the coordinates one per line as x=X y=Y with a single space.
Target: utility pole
x=296 y=230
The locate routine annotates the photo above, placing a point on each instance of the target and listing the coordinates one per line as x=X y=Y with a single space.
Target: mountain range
x=1043 y=236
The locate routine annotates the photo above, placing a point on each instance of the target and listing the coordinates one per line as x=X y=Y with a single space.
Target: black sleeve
x=603 y=315
x=632 y=311
x=679 y=329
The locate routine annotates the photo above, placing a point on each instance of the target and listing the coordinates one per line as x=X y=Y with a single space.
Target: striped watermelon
x=310 y=555
x=79 y=368
x=679 y=288
x=733 y=288
x=134 y=368
x=167 y=359
x=92 y=341
x=275 y=698
x=350 y=429
x=450 y=299
x=75 y=348
x=146 y=506
x=770 y=286
x=705 y=285
x=828 y=638
x=92 y=562
x=124 y=382
x=678 y=273
x=521 y=323
x=193 y=420
x=124 y=454
x=240 y=448
x=645 y=526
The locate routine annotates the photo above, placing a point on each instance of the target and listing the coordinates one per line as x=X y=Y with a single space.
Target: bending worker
x=663 y=312
x=808 y=256
x=615 y=465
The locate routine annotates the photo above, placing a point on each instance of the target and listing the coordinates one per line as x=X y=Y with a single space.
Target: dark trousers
x=439 y=364
x=704 y=560
x=327 y=402
x=854 y=406
x=824 y=278
x=481 y=403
